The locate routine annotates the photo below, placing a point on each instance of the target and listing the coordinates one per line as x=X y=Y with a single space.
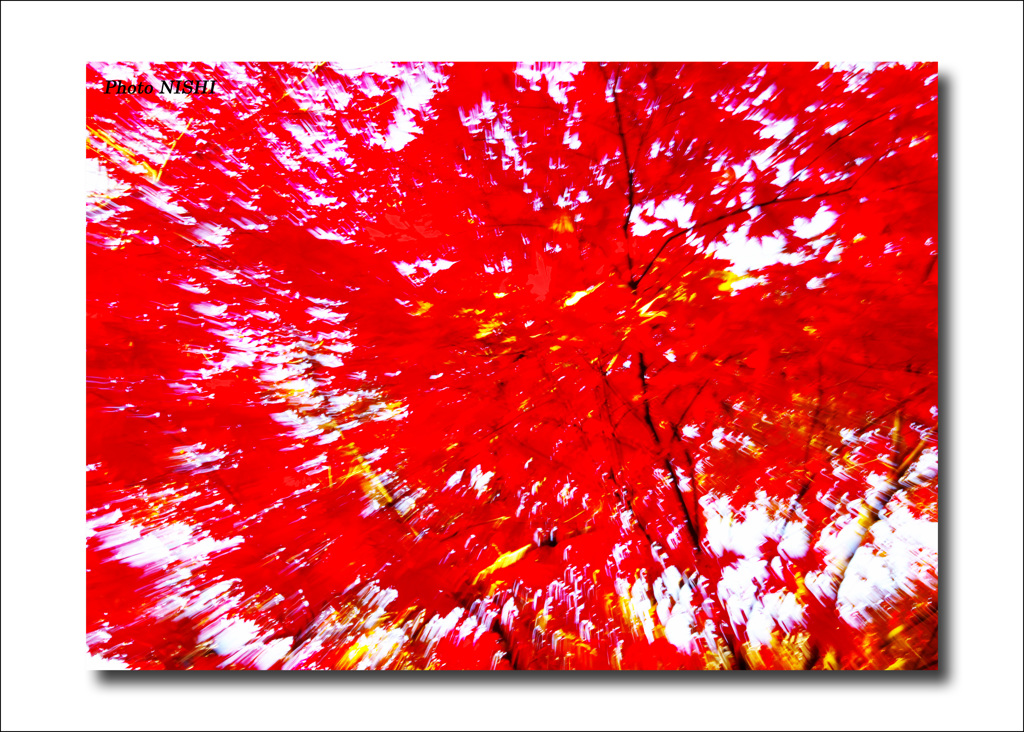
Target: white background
x=46 y=683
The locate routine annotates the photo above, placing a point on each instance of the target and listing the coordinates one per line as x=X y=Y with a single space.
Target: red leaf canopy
x=490 y=366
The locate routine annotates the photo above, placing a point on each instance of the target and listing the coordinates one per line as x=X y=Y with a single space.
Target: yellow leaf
x=505 y=560
x=646 y=313
x=487 y=328
x=103 y=136
x=562 y=225
x=578 y=295
x=729 y=279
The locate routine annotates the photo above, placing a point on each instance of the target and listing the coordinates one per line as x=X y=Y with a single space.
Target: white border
x=45 y=46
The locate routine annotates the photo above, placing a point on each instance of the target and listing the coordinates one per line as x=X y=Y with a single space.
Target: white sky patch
x=718 y=435
x=99 y=184
x=760 y=625
x=374 y=455
x=767 y=94
x=329 y=360
x=778 y=609
x=748 y=254
x=478 y=480
x=315 y=465
x=329 y=235
x=838 y=541
x=202 y=602
x=197 y=458
x=302 y=426
x=324 y=314
x=434 y=266
x=239 y=640
x=419 y=84
x=786 y=609
x=902 y=555
x=638 y=227
x=640 y=604
x=212 y=233
x=106 y=519
x=335 y=97
x=281 y=372
x=926 y=468
x=267 y=654
x=248 y=224
x=485 y=117
x=741 y=532
x=739 y=585
x=229 y=635
x=118 y=70
x=317 y=147
x=440 y=626
x=164 y=545
x=160 y=198
x=565 y=200
x=796 y=540
x=784 y=172
x=676 y=609
x=382 y=643
x=197 y=289
x=431 y=266
x=299 y=386
x=402 y=130
x=222 y=275
x=559 y=77
x=415 y=94
x=837 y=128
x=244 y=344
x=149 y=145
x=342 y=402
x=405 y=269
x=871 y=576
x=674 y=212
x=819 y=224
x=778 y=129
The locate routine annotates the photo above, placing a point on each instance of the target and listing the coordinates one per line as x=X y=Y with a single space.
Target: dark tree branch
x=630 y=184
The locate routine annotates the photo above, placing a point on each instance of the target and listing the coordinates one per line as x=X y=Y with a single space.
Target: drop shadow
x=513 y=679
x=947 y=377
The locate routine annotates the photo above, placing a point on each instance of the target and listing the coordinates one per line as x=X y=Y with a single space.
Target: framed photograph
x=495 y=366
